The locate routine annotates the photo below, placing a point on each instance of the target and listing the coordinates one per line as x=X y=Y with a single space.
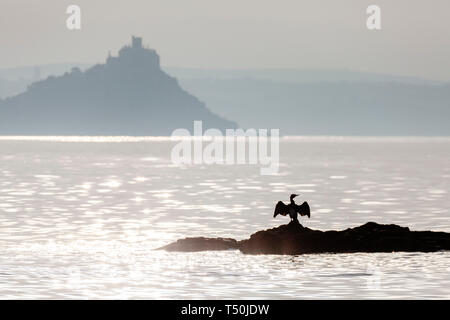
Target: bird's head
x=293 y=196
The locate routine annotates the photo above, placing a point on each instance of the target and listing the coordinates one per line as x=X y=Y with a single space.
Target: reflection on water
x=80 y=218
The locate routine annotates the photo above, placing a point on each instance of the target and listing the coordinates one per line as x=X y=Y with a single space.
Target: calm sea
x=81 y=217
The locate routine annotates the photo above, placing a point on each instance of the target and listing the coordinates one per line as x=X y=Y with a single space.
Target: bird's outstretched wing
x=280 y=208
x=303 y=209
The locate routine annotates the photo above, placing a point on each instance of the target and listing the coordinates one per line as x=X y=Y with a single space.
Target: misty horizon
x=66 y=66
x=98 y=99
x=236 y=35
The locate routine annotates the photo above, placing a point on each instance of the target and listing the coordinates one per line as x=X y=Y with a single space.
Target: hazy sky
x=414 y=40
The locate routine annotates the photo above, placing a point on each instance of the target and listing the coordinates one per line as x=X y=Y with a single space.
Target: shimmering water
x=80 y=217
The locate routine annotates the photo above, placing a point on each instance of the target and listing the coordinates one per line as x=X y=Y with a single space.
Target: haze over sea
x=80 y=217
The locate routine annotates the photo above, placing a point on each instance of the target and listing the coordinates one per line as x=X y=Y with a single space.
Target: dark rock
x=202 y=244
x=293 y=238
x=370 y=237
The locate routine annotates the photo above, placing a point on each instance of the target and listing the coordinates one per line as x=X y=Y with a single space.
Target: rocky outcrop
x=293 y=239
x=202 y=244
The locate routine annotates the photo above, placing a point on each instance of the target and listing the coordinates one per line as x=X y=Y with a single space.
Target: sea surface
x=80 y=217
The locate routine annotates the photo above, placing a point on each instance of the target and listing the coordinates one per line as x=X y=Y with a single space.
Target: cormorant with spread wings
x=292 y=209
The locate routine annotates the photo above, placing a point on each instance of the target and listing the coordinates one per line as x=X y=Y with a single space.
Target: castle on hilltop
x=128 y=95
x=136 y=54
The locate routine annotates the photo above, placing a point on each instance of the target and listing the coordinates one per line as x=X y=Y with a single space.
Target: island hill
x=128 y=95
x=295 y=239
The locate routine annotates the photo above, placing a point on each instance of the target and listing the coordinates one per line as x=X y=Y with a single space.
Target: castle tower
x=136 y=42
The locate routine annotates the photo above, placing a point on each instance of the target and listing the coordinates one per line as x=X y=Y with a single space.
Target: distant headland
x=128 y=95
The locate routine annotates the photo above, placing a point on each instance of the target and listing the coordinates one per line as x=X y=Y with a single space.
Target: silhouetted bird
x=292 y=209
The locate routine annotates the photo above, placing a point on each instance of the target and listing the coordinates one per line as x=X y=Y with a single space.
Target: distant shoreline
x=122 y=138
